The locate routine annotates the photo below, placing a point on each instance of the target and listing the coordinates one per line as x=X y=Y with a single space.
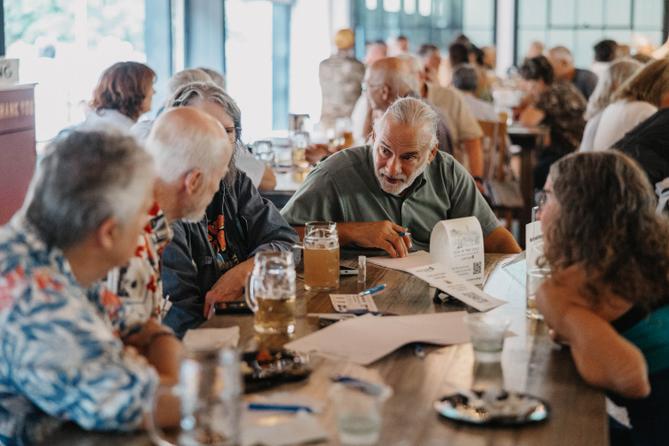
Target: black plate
x=493 y=408
x=265 y=369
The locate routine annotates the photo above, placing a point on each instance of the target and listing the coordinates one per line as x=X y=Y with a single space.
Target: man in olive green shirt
x=391 y=194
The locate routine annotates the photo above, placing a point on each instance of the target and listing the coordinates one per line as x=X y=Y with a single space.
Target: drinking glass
x=534 y=278
x=209 y=392
x=270 y=292
x=263 y=151
x=300 y=141
x=344 y=131
x=358 y=414
x=487 y=336
x=321 y=256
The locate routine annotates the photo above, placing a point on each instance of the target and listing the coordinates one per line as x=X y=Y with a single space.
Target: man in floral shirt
x=60 y=359
x=191 y=154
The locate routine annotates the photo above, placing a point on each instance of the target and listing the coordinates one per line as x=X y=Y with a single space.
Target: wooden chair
x=504 y=194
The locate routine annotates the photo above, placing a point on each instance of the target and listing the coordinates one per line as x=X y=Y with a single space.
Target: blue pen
x=372 y=290
x=359 y=384
x=294 y=408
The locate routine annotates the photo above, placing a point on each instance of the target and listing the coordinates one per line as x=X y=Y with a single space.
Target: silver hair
x=210 y=92
x=416 y=114
x=187 y=76
x=561 y=53
x=85 y=178
x=178 y=149
x=612 y=78
x=216 y=77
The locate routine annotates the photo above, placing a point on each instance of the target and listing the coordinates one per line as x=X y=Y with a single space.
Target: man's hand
x=140 y=339
x=376 y=234
x=230 y=286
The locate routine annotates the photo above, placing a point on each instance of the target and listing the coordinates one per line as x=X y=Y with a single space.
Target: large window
x=578 y=25
x=64 y=45
x=425 y=21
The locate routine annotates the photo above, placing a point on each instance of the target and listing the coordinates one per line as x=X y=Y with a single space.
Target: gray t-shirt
x=344 y=188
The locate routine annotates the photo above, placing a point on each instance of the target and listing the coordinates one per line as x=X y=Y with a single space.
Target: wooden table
x=530 y=363
x=530 y=140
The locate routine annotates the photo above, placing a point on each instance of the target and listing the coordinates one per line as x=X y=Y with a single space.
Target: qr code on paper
x=477 y=267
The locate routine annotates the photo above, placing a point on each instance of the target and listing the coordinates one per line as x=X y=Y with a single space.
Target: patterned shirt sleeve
x=66 y=360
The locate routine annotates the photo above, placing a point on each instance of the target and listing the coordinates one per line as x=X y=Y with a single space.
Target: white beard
x=396 y=188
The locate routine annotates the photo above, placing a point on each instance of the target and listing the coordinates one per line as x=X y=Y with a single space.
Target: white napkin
x=211 y=338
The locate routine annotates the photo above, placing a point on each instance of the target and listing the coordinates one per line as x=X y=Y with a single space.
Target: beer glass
x=270 y=292
x=321 y=256
x=209 y=392
x=263 y=151
x=300 y=142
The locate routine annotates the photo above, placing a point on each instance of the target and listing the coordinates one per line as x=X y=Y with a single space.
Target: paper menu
x=345 y=303
x=414 y=259
x=458 y=244
x=441 y=277
x=366 y=339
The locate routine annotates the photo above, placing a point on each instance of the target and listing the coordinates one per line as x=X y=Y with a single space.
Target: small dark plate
x=493 y=408
x=268 y=368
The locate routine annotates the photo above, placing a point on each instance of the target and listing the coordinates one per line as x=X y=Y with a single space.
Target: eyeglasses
x=541 y=197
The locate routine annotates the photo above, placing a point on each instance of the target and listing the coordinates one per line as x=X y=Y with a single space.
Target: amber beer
x=270 y=293
x=275 y=315
x=321 y=256
x=321 y=269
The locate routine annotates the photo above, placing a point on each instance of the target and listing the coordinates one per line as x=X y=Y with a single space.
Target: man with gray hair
x=391 y=194
x=191 y=155
x=61 y=360
x=563 y=66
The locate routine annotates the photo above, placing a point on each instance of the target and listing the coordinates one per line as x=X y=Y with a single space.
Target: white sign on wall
x=9 y=71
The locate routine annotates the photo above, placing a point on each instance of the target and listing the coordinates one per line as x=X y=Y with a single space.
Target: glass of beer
x=270 y=292
x=321 y=256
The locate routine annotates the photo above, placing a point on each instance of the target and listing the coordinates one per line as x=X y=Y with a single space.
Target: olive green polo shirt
x=344 y=188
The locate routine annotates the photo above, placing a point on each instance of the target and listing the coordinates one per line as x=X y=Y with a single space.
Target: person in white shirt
x=609 y=81
x=123 y=93
x=638 y=98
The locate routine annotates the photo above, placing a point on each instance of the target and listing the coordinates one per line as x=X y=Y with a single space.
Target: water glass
x=321 y=256
x=300 y=142
x=270 y=292
x=533 y=280
x=358 y=415
x=263 y=151
x=487 y=336
x=209 y=392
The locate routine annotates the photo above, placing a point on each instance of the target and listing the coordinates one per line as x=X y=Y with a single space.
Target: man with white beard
x=390 y=194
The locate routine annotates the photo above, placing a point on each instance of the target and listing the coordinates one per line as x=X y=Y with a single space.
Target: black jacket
x=189 y=263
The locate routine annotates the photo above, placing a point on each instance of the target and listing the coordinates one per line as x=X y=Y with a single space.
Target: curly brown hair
x=607 y=224
x=123 y=87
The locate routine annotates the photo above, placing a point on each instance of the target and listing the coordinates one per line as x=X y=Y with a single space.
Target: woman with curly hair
x=123 y=93
x=608 y=296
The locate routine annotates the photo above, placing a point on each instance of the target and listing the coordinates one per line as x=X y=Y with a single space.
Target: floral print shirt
x=60 y=359
x=138 y=283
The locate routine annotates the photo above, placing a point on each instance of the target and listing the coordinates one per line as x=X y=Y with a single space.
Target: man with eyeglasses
x=391 y=194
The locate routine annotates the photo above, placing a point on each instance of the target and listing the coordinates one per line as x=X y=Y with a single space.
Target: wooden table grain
x=530 y=363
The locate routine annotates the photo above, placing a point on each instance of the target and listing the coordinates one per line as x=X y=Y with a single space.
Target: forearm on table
x=603 y=357
x=164 y=353
x=500 y=241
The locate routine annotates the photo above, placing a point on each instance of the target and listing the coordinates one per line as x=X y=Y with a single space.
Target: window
x=425 y=21
x=578 y=25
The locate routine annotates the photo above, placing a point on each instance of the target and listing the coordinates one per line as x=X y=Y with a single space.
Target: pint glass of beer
x=321 y=256
x=270 y=292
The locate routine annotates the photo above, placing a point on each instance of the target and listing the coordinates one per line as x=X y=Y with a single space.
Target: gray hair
x=179 y=145
x=465 y=78
x=84 y=179
x=413 y=113
x=612 y=78
x=210 y=92
x=187 y=76
x=561 y=53
x=215 y=76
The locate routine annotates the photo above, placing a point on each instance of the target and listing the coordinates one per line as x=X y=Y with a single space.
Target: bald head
x=388 y=79
x=185 y=138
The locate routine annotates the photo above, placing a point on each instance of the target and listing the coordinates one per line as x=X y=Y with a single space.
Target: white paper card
x=441 y=277
x=414 y=259
x=211 y=338
x=458 y=244
x=534 y=244
x=344 y=303
x=282 y=430
x=365 y=339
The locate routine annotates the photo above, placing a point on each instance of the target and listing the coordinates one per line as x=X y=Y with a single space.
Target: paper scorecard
x=458 y=244
x=443 y=278
x=348 y=303
x=366 y=339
